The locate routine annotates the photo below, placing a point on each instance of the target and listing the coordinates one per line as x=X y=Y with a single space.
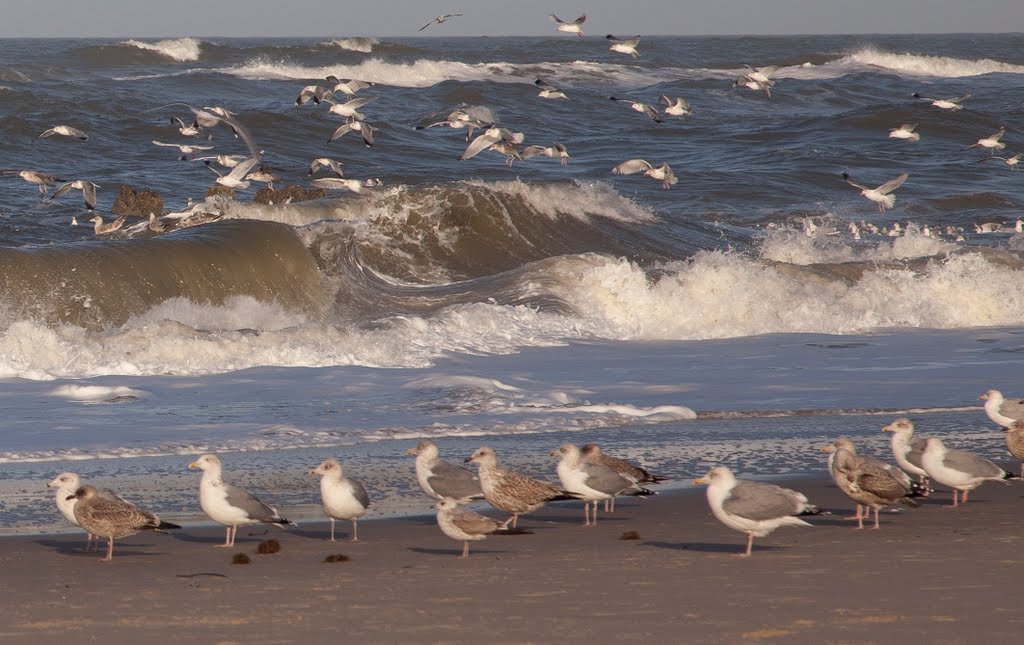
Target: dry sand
x=933 y=574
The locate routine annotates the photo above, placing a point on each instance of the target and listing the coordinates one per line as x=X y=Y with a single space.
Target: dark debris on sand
x=267 y=547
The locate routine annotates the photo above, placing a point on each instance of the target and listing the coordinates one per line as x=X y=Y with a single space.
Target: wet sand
x=932 y=574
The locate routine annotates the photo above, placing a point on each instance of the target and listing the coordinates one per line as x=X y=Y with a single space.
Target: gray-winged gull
x=1015 y=442
x=591 y=482
x=754 y=508
x=907 y=450
x=509 y=491
x=230 y=505
x=592 y=453
x=113 y=518
x=1001 y=410
x=959 y=469
x=461 y=524
x=342 y=498
x=439 y=478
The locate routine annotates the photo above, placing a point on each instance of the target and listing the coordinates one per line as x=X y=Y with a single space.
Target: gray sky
x=152 y=18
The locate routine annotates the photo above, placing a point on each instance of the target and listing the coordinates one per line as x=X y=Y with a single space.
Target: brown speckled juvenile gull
x=113 y=518
x=1015 y=442
x=754 y=508
x=509 y=491
x=869 y=483
x=461 y=524
x=439 y=478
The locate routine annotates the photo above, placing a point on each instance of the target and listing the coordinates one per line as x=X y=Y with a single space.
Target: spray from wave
x=178 y=49
x=424 y=73
x=362 y=44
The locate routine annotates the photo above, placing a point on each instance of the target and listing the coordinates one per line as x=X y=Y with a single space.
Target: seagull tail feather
x=810 y=509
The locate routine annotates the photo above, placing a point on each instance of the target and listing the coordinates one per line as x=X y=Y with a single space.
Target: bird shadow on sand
x=78 y=550
x=450 y=553
x=709 y=547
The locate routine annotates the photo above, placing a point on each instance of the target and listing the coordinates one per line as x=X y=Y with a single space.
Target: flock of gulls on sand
x=585 y=474
x=236 y=172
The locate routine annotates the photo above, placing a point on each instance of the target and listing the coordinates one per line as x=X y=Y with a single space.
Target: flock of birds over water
x=585 y=474
x=237 y=171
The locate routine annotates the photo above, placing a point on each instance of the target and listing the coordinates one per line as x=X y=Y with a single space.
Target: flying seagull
x=439 y=20
x=574 y=27
x=880 y=195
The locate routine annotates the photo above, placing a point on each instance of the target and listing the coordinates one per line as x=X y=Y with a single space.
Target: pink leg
x=227 y=537
x=964 y=500
x=607 y=506
x=586 y=513
x=110 y=550
x=465 y=549
x=876 y=518
x=332 y=530
x=860 y=516
x=955 y=492
x=355 y=530
x=612 y=500
x=750 y=545
x=594 y=520
x=855 y=516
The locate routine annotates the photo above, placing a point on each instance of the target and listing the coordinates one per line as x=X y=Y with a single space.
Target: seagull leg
x=876 y=518
x=110 y=550
x=586 y=513
x=612 y=500
x=955 y=492
x=963 y=500
x=227 y=537
x=606 y=505
x=860 y=516
x=750 y=545
x=332 y=529
x=465 y=549
x=355 y=530
x=593 y=521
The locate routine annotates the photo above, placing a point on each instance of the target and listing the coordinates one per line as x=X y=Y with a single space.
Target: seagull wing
x=652 y=113
x=342 y=130
x=532 y=151
x=481 y=143
x=89 y=195
x=959 y=98
x=429 y=23
x=631 y=167
x=892 y=184
x=61 y=191
x=242 y=169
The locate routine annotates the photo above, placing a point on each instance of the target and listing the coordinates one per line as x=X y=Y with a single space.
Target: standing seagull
x=342 y=498
x=64 y=131
x=960 y=470
x=624 y=46
x=1004 y=412
x=439 y=20
x=592 y=454
x=440 y=479
x=946 y=104
x=461 y=524
x=880 y=195
x=907 y=450
x=642 y=108
x=509 y=491
x=230 y=505
x=574 y=27
x=66 y=484
x=591 y=482
x=905 y=131
x=754 y=508
x=101 y=228
x=113 y=518
x=869 y=482
x=1015 y=441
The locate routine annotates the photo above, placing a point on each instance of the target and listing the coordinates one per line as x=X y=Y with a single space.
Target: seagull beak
x=553 y=453
x=825 y=449
x=701 y=480
x=467 y=459
x=886 y=428
x=194 y=464
x=983 y=397
x=410 y=451
x=312 y=471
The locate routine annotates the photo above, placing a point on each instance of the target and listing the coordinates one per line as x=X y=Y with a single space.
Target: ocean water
x=748 y=314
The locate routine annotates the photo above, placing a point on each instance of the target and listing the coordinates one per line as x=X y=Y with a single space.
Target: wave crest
x=179 y=49
x=362 y=44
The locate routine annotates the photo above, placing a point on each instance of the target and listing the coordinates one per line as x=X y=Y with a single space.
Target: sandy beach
x=932 y=574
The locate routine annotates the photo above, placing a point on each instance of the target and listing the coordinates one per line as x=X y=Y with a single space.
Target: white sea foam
x=424 y=73
x=362 y=44
x=179 y=49
x=903 y=63
x=97 y=393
